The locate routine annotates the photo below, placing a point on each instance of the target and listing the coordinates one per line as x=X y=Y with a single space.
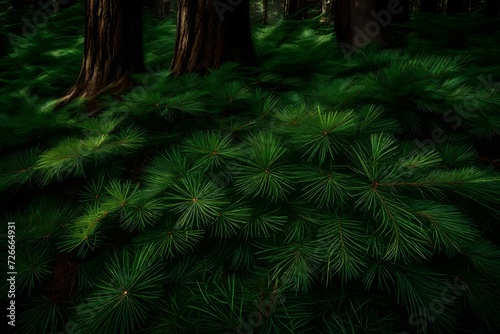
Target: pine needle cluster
x=297 y=197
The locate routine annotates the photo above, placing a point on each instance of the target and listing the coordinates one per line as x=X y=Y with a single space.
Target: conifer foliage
x=300 y=196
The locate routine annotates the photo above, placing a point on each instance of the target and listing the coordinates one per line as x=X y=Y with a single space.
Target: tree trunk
x=162 y=9
x=295 y=9
x=388 y=14
x=343 y=30
x=325 y=10
x=210 y=33
x=265 y=6
x=113 y=47
x=356 y=25
x=429 y=6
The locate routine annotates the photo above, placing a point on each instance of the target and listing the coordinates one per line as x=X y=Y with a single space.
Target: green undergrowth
x=312 y=194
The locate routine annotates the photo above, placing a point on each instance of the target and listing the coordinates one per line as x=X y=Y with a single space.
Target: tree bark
x=162 y=9
x=356 y=26
x=343 y=30
x=210 y=33
x=265 y=8
x=325 y=10
x=295 y=8
x=113 y=47
x=388 y=15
